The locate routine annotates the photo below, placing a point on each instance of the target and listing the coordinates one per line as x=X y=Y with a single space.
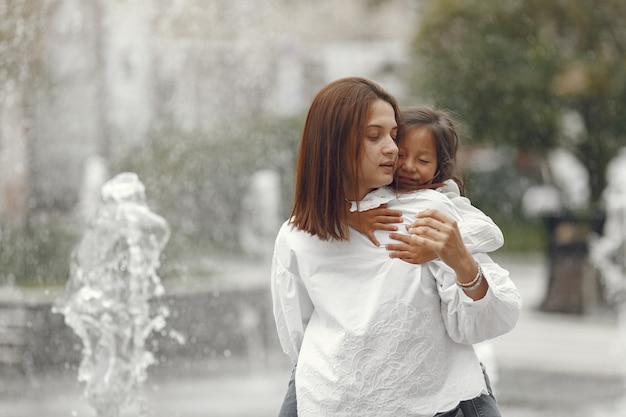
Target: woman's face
x=380 y=150
x=417 y=159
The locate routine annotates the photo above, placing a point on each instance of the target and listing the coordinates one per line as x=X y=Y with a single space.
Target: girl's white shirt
x=372 y=335
x=479 y=232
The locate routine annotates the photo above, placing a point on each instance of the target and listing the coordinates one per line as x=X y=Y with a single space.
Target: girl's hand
x=379 y=218
x=409 y=250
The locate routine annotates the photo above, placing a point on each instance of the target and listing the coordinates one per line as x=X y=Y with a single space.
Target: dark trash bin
x=572 y=283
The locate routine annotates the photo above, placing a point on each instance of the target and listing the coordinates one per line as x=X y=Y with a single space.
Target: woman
x=372 y=335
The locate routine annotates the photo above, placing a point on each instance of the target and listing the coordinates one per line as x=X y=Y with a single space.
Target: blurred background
x=205 y=100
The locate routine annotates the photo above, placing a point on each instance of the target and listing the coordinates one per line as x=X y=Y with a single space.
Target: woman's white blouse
x=376 y=336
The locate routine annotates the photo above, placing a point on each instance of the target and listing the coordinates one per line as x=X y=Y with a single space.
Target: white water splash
x=113 y=277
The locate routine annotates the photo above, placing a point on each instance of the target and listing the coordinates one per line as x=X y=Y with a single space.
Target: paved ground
x=550 y=365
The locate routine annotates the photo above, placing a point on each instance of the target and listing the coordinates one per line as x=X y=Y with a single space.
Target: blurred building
x=111 y=70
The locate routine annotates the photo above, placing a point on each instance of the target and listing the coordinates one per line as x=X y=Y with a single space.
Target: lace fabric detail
x=381 y=372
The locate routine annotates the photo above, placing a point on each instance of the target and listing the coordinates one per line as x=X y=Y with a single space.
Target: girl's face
x=417 y=159
x=379 y=149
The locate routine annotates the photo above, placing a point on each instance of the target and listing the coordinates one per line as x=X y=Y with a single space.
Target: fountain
x=106 y=301
x=608 y=252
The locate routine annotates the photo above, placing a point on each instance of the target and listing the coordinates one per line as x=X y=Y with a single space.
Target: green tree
x=513 y=68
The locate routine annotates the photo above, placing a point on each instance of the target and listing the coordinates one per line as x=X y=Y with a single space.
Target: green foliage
x=512 y=68
x=523 y=237
x=197 y=180
x=499 y=193
x=483 y=60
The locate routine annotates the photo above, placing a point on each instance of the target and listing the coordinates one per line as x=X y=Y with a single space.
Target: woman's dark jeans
x=483 y=406
x=290 y=406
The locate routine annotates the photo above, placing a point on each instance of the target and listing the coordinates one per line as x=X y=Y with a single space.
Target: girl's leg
x=290 y=407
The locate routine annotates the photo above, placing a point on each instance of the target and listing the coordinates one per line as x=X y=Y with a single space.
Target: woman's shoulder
x=290 y=236
x=290 y=239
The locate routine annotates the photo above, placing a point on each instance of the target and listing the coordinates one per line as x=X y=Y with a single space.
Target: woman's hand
x=379 y=218
x=440 y=233
x=409 y=250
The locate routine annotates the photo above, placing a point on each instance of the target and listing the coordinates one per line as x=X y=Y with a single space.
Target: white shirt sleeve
x=480 y=233
x=468 y=321
x=291 y=304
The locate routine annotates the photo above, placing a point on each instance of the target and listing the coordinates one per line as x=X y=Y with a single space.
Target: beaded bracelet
x=473 y=284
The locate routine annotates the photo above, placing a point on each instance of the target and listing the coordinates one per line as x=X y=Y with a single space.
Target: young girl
x=372 y=335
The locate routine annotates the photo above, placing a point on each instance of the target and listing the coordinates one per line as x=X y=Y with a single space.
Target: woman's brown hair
x=330 y=149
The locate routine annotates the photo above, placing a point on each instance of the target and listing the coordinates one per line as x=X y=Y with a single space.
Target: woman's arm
x=292 y=305
x=468 y=321
x=479 y=300
x=440 y=233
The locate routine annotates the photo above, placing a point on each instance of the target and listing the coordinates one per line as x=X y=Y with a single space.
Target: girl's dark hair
x=330 y=151
x=442 y=126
